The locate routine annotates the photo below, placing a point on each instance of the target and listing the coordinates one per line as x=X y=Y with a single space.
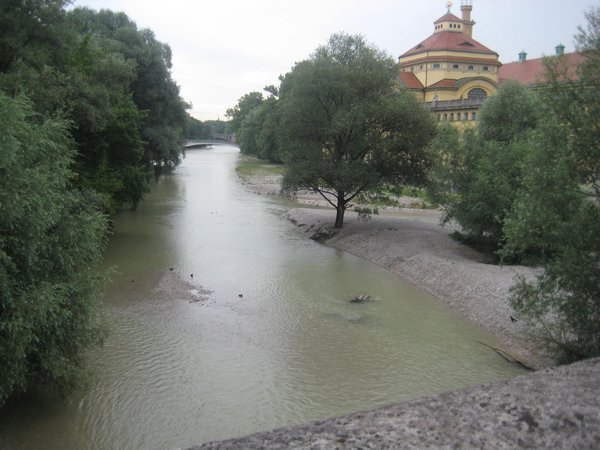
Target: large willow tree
x=347 y=127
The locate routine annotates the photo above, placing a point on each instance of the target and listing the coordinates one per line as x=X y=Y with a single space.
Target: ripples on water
x=291 y=349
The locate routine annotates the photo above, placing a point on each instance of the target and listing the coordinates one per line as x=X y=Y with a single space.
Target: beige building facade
x=450 y=71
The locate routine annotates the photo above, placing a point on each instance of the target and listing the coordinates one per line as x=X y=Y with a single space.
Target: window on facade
x=436 y=66
x=451 y=117
x=445 y=116
x=455 y=66
x=466 y=116
x=486 y=69
x=421 y=67
x=477 y=93
x=473 y=115
x=471 y=67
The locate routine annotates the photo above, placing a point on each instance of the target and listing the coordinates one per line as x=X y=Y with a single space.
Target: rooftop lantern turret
x=449 y=22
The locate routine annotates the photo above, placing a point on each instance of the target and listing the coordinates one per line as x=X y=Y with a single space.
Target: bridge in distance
x=219 y=139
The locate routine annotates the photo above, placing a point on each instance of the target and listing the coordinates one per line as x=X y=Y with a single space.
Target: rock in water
x=360 y=298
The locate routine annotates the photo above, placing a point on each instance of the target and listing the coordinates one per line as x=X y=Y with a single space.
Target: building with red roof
x=451 y=72
x=532 y=72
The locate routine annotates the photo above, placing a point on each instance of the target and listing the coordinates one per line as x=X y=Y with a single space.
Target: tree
x=113 y=82
x=477 y=175
x=195 y=129
x=51 y=238
x=346 y=127
x=561 y=186
x=258 y=134
x=562 y=306
x=244 y=106
x=267 y=139
x=32 y=32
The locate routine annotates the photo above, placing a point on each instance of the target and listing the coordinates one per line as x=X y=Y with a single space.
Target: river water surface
x=261 y=336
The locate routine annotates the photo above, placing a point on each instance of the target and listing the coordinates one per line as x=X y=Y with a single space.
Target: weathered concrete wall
x=554 y=408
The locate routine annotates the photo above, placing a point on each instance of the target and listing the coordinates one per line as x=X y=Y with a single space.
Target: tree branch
x=322 y=193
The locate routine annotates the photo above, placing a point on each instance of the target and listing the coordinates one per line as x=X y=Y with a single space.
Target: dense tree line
x=208 y=129
x=89 y=115
x=525 y=187
x=109 y=79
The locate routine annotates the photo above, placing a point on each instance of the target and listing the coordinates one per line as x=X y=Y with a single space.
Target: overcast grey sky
x=223 y=49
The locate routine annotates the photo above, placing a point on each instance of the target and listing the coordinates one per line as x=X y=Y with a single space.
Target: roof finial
x=449 y=6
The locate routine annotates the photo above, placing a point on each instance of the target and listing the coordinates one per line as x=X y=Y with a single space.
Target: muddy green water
x=184 y=365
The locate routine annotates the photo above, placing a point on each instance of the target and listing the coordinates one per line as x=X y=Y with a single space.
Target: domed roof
x=450 y=41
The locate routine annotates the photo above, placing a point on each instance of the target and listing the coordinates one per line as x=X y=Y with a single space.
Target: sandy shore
x=412 y=244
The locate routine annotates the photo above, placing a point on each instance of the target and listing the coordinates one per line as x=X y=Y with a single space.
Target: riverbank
x=413 y=245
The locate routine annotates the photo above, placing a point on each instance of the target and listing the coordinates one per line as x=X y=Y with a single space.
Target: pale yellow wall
x=428 y=75
x=489 y=88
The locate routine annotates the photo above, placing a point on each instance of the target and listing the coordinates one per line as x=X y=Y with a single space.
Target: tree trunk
x=340 y=210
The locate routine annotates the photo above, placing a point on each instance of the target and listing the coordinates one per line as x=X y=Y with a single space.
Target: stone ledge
x=554 y=408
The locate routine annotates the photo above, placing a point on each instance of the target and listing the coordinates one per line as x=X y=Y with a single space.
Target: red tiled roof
x=410 y=81
x=449 y=40
x=445 y=83
x=448 y=17
x=532 y=71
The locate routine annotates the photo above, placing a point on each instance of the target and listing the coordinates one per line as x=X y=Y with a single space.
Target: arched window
x=477 y=93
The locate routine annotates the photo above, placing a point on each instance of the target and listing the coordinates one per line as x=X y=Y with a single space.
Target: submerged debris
x=360 y=298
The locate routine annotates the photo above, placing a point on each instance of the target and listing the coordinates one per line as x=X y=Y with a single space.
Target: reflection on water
x=250 y=330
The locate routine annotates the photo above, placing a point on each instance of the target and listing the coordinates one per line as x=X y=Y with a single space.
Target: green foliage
x=507 y=116
x=244 y=107
x=346 y=127
x=51 y=237
x=477 y=174
x=548 y=196
x=563 y=305
x=110 y=79
x=196 y=129
x=258 y=134
x=558 y=210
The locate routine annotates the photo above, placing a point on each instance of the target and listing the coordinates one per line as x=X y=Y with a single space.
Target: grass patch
x=258 y=168
x=389 y=196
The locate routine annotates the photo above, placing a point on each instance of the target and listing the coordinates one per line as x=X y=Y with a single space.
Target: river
x=226 y=320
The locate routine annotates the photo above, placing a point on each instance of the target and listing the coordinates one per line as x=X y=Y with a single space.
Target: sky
x=223 y=49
